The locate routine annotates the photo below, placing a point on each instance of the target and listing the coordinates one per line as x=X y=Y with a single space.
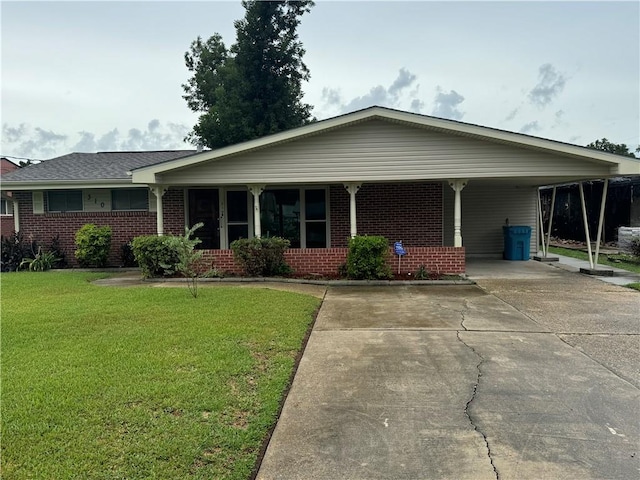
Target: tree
x=617 y=148
x=255 y=87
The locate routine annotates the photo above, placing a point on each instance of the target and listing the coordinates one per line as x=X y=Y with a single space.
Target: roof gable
x=615 y=164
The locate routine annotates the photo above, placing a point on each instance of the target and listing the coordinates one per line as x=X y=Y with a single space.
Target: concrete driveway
x=531 y=374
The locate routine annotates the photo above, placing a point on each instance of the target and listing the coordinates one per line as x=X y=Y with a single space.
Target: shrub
x=187 y=257
x=151 y=252
x=635 y=247
x=261 y=257
x=93 y=244
x=58 y=253
x=14 y=249
x=41 y=262
x=367 y=258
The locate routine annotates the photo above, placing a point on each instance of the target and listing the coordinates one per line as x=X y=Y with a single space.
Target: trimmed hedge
x=367 y=258
x=154 y=255
x=261 y=257
x=92 y=245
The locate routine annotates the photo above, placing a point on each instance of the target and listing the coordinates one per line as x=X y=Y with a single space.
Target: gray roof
x=92 y=166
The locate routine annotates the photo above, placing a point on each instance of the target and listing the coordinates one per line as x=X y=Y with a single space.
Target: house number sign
x=97 y=200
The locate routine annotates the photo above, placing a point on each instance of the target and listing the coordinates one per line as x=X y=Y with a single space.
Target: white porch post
x=16 y=216
x=159 y=191
x=586 y=224
x=457 y=186
x=603 y=203
x=553 y=206
x=352 y=188
x=541 y=224
x=256 y=190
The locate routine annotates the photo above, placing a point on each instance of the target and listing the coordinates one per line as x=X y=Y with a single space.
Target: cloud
x=446 y=105
x=530 y=127
x=40 y=143
x=394 y=96
x=549 y=85
x=512 y=114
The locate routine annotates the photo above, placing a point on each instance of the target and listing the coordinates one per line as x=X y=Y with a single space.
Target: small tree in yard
x=93 y=244
x=187 y=255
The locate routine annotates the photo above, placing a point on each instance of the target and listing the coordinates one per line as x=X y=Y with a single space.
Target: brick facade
x=326 y=261
x=125 y=225
x=411 y=212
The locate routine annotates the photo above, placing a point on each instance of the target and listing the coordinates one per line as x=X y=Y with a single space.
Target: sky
x=103 y=76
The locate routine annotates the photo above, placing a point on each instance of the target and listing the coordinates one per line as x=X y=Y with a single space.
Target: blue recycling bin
x=517 y=241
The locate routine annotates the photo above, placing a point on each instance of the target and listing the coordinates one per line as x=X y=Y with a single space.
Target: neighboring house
x=444 y=188
x=6 y=204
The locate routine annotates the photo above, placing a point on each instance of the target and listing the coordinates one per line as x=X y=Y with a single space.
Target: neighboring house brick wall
x=125 y=225
x=411 y=212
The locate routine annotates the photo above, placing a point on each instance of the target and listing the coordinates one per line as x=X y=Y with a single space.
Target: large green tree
x=617 y=148
x=253 y=88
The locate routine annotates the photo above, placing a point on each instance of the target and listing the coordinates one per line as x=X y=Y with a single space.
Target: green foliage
x=14 y=249
x=617 y=148
x=367 y=258
x=151 y=252
x=41 y=262
x=261 y=257
x=187 y=256
x=92 y=245
x=253 y=88
x=635 y=248
x=58 y=252
x=422 y=273
x=169 y=255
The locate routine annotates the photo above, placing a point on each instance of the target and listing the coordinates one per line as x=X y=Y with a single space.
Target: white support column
x=586 y=224
x=16 y=216
x=352 y=188
x=457 y=186
x=256 y=190
x=603 y=203
x=541 y=224
x=159 y=191
x=553 y=206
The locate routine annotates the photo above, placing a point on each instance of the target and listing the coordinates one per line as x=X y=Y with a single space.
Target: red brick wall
x=6 y=225
x=125 y=225
x=411 y=212
x=320 y=261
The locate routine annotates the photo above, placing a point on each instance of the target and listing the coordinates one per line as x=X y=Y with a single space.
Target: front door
x=204 y=207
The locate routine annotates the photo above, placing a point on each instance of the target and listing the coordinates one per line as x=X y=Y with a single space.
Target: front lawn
x=141 y=382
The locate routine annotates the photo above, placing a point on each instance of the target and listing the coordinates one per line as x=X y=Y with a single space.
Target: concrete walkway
x=531 y=374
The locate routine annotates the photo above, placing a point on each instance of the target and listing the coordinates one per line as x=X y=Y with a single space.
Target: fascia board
x=62 y=185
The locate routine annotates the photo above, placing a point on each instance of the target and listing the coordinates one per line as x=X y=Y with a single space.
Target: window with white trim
x=130 y=199
x=64 y=201
x=5 y=207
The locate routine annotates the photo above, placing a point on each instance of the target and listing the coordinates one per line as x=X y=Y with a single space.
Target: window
x=130 y=199
x=64 y=201
x=300 y=216
x=315 y=218
x=280 y=214
x=5 y=207
x=237 y=215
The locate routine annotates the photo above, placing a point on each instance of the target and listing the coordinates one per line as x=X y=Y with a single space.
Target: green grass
x=625 y=262
x=141 y=382
x=635 y=286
